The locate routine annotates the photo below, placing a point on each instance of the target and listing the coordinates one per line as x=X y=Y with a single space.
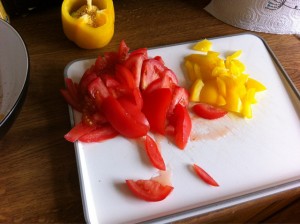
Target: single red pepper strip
x=205 y=176
x=153 y=153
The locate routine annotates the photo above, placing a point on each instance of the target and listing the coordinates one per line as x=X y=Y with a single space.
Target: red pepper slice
x=156 y=104
x=124 y=75
x=135 y=62
x=88 y=76
x=149 y=190
x=70 y=100
x=134 y=109
x=99 y=134
x=154 y=153
x=97 y=87
x=208 y=111
x=71 y=94
x=77 y=131
x=180 y=96
x=204 y=176
x=151 y=70
x=123 y=51
x=183 y=126
x=120 y=119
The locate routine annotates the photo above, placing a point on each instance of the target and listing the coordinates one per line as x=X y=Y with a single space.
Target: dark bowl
x=14 y=75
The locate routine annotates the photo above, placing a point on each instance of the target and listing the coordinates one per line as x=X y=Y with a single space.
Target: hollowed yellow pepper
x=88 y=31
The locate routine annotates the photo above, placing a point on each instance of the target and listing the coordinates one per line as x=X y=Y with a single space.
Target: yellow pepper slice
x=91 y=28
x=247 y=101
x=190 y=70
x=209 y=92
x=204 y=45
x=221 y=86
x=252 y=83
x=195 y=90
x=221 y=101
x=234 y=55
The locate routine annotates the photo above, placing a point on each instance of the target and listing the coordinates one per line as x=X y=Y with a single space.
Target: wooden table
x=38 y=174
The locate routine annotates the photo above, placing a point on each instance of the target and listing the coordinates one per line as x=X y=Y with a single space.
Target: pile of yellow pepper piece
x=219 y=82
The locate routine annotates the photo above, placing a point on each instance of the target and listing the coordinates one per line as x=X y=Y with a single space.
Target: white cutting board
x=249 y=158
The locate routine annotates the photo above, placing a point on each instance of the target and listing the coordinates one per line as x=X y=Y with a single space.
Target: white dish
x=249 y=158
x=14 y=75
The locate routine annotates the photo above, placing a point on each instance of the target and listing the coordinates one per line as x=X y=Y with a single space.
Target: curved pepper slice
x=128 y=125
x=92 y=29
x=204 y=45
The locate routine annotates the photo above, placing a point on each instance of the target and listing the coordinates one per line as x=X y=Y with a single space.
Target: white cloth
x=269 y=16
